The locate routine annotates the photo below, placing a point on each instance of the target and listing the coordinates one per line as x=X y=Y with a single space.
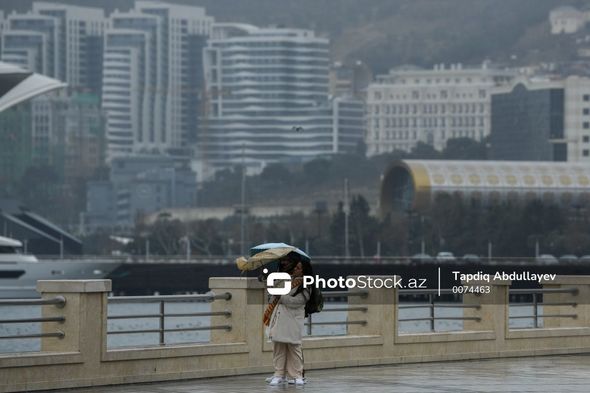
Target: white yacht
x=19 y=272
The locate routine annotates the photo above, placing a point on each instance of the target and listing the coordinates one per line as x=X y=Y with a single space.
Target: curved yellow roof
x=412 y=184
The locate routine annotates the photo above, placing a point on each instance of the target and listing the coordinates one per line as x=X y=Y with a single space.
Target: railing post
x=162 y=323
x=535 y=310
x=85 y=316
x=432 y=320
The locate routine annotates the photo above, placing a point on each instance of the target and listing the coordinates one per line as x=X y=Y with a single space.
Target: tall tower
x=152 y=78
x=267 y=97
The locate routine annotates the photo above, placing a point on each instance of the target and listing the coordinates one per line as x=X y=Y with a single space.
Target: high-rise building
x=68 y=134
x=58 y=40
x=138 y=185
x=153 y=78
x=541 y=120
x=15 y=143
x=2 y=24
x=411 y=105
x=267 y=98
x=31 y=41
x=350 y=79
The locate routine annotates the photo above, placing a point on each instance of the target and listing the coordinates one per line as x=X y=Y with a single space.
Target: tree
x=337 y=231
x=424 y=151
x=465 y=149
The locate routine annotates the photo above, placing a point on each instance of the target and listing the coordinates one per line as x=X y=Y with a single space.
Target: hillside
x=385 y=33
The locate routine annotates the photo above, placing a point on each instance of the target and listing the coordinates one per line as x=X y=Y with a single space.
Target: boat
x=19 y=272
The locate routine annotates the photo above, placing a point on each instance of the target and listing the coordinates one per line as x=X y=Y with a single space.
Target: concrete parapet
x=81 y=357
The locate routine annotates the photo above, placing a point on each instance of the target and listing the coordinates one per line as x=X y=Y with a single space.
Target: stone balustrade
x=81 y=357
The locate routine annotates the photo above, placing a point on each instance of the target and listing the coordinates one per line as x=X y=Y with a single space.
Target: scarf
x=275 y=300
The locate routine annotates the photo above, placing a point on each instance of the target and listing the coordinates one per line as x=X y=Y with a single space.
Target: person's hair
x=288 y=263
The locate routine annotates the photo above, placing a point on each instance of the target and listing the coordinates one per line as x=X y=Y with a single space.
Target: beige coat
x=288 y=318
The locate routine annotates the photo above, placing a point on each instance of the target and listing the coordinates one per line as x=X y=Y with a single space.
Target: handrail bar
x=197 y=314
x=478 y=319
x=426 y=291
x=330 y=294
x=338 y=323
x=168 y=298
x=31 y=320
x=574 y=316
x=543 y=290
x=364 y=309
x=58 y=334
x=440 y=305
x=573 y=304
x=217 y=327
x=59 y=301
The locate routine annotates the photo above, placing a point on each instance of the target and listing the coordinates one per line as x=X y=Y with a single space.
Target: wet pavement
x=540 y=374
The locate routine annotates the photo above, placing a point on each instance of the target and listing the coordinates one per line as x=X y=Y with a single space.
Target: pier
x=75 y=353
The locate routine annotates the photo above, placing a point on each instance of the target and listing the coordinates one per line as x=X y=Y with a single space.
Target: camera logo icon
x=281 y=277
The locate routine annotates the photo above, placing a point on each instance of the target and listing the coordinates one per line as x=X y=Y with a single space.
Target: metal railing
x=335 y=295
x=162 y=315
x=58 y=301
x=431 y=305
x=536 y=293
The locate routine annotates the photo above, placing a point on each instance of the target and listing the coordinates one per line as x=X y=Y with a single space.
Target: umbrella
x=266 y=253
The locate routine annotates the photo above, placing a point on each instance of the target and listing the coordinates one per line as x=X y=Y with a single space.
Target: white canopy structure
x=18 y=85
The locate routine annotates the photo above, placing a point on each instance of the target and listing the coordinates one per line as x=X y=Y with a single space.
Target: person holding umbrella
x=285 y=316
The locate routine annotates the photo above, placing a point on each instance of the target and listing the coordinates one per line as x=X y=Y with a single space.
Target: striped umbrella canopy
x=266 y=253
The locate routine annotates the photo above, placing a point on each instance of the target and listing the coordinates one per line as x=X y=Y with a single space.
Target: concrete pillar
x=380 y=315
x=246 y=306
x=581 y=298
x=493 y=309
x=85 y=315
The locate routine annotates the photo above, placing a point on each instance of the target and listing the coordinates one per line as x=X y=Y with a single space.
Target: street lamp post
x=346 y=216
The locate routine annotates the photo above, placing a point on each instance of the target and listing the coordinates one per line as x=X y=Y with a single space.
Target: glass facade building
x=525 y=121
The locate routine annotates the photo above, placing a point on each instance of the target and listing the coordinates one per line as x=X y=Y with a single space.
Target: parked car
x=585 y=259
x=568 y=258
x=546 y=259
x=471 y=258
x=445 y=256
x=421 y=258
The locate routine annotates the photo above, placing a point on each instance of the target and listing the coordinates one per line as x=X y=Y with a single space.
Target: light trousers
x=287 y=360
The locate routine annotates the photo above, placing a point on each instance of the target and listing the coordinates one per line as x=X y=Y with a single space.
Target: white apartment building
x=268 y=99
x=567 y=20
x=128 y=97
x=153 y=78
x=62 y=41
x=411 y=105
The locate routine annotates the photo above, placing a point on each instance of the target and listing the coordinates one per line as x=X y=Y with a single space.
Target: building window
x=585 y=152
x=586 y=97
x=587 y=111
x=586 y=138
x=586 y=125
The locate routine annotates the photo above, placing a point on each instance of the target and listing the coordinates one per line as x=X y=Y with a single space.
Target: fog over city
x=204 y=127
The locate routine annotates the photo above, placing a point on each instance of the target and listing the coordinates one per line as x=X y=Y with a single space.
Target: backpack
x=315 y=303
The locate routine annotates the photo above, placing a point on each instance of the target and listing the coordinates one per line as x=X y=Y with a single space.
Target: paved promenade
x=541 y=374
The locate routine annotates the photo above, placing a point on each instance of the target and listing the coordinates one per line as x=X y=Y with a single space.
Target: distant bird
x=297 y=128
